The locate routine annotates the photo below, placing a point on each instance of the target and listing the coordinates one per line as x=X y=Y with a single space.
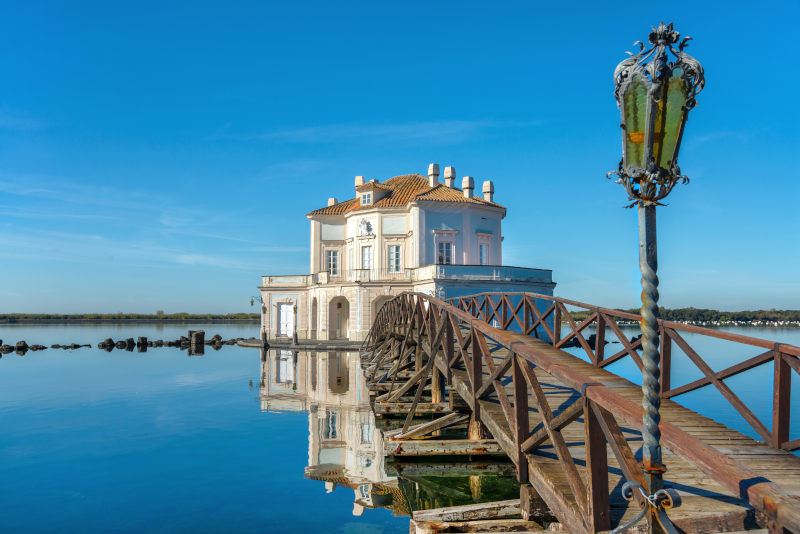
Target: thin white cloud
x=27 y=213
x=442 y=131
x=274 y=249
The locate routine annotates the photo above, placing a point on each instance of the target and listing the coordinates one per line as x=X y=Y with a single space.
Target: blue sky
x=163 y=155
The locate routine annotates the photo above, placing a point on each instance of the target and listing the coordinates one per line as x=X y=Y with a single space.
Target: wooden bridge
x=494 y=362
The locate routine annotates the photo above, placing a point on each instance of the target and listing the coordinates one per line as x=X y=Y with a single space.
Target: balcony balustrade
x=418 y=274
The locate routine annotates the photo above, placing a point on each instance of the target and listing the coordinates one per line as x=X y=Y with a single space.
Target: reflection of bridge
x=344 y=447
x=572 y=428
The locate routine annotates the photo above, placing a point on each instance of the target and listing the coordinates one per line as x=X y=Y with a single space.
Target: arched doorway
x=378 y=303
x=338 y=318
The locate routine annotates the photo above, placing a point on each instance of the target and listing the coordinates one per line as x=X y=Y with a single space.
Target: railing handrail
x=727 y=336
x=764 y=495
x=411 y=273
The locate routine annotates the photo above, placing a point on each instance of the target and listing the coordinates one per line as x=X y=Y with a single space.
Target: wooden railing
x=529 y=319
x=453 y=336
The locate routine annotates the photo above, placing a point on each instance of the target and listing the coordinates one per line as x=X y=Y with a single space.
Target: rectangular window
x=394 y=259
x=366 y=198
x=445 y=254
x=366 y=257
x=332 y=262
x=484 y=254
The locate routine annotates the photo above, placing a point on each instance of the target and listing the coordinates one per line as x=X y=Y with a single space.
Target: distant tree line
x=704 y=315
x=158 y=316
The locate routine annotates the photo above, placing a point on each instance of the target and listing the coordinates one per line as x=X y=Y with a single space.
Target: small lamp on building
x=263 y=334
x=654 y=96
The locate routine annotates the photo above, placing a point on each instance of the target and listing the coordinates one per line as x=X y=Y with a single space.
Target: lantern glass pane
x=668 y=120
x=634 y=102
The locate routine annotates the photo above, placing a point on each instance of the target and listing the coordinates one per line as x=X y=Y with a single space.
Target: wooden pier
x=571 y=428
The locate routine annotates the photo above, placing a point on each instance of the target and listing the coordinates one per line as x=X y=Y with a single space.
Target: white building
x=410 y=233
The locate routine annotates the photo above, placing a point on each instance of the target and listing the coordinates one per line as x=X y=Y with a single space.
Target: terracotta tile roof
x=442 y=193
x=402 y=190
x=336 y=209
x=372 y=185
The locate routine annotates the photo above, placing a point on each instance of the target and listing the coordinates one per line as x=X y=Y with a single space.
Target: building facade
x=410 y=233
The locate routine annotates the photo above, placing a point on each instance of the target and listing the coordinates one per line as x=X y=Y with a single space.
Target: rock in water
x=21 y=345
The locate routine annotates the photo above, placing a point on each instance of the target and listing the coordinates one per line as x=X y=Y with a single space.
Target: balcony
x=418 y=274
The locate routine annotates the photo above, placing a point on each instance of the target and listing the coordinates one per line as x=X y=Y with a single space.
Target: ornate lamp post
x=655 y=96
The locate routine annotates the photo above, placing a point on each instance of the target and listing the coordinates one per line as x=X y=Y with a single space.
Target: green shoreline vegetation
x=127 y=317
x=715 y=317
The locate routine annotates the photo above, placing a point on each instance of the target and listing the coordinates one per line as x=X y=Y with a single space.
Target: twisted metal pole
x=652 y=464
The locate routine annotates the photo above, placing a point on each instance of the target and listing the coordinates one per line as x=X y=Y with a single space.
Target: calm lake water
x=227 y=442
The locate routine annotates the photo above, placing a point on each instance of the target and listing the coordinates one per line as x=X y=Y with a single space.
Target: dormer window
x=366 y=199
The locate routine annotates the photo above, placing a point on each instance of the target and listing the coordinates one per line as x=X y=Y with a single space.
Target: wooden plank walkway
x=728 y=482
x=705 y=502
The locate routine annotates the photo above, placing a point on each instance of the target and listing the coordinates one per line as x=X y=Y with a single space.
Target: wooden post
x=521 y=416
x=526 y=313
x=532 y=507
x=477 y=371
x=666 y=362
x=418 y=351
x=437 y=386
x=600 y=340
x=476 y=428
x=781 y=401
x=449 y=346
x=504 y=308
x=596 y=471
x=557 y=325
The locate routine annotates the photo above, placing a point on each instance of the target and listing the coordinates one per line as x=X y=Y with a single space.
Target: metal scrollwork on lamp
x=655 y=96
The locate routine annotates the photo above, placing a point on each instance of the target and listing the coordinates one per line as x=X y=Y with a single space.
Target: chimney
x=332 y=201
x=488 y=191
x=450 y=176
x=359 y=181
x=433 y=174
x=468 y=184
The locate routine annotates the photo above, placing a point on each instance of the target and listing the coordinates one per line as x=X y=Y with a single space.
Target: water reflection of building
x=344 y=447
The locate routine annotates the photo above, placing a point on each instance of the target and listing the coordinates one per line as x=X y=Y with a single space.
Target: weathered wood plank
x=485 y=525
x=441 y=447
x=398 y=408
x=436 y=424
x=470 y=512
x=494 y=467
